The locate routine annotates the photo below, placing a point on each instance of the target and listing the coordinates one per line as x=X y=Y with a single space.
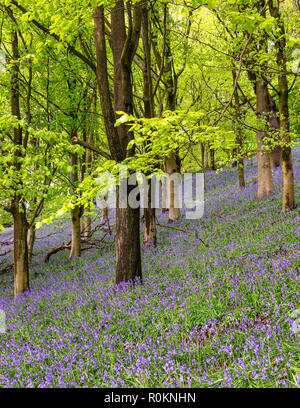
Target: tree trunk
x=124 y=45
x=202 y=146
x=76 y=232
x=150 y=228
x=164 y=196
x=206 y=158
x=30 y=240
x=275 y=125
x=87 y=224
x=82 y=222
x=171 y=163
x=149 y=212
x=173 y=188
x=288 y=198
x=104 y=210
x=150 y=222
x=127 y=243
x=271 y=108
x=76 y=212
x=276 y=157
x=264 y=167
x=239 y=132
x=212 y=159
x=241 y=173
x=21 y=273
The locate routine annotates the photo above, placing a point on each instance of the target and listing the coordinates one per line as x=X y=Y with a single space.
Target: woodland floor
x=218 y=315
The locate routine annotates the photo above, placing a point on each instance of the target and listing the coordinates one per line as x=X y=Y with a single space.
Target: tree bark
x=21 y=269
x=30 y=240
x=173 y=189
x=206 y=158
x=76 y=213
x=128 y=243
x=87 y=224
x=104 y=210
x=276 y=157
x=76 y=232
x=149 y=212
x=87 y=219
x=21 y=274
x=241 y=173
x=128 y=255
x=271 y=108
x=212 y=159
x=150 y=223
x=288 y=198
x=239 y=133
x=170 y=80
x=264 y=167
x=275 y=126
x=202 y=147
x=164 y=196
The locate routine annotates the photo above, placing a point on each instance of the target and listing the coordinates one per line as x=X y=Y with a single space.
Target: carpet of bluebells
x=213 y=315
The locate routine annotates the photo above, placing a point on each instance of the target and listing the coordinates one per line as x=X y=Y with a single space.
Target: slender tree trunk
x=76 y=213
x=87 y=219
x=21 y=273
x=164 y=196
x=88 y=224
x=172 y=167
x=239 y=133
x=272 y=118
x=241 y=173
x=235 y=162
x=173 y=188
x=271 y=108
x=30 y=240
x=265 y=181
x=104 y=210
x=149 y=212
x=202 y=146
x=288 y=199
x=171 y=163
x=82 y=224
x=124 y=45
x=275 y=125
x=212 y=159
x=206 y=158
x=150 y=223
x=21 y=270
x=76 y=232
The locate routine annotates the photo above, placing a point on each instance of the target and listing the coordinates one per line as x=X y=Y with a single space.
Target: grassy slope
x=214 y=316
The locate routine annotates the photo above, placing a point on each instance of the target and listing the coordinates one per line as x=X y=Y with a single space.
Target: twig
x=182 y=230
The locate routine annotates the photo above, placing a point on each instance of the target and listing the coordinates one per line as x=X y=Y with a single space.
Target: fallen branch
x=6 y=269
x=6 y=243
x=182 y=230
x=6 y=252
x=95 y=243
x=55 y=250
